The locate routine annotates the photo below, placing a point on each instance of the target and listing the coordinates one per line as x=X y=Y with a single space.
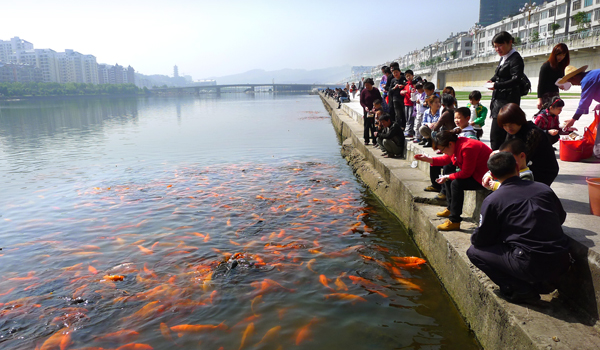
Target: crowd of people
x=519 y=243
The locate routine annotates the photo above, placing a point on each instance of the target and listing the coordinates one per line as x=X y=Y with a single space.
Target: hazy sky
x=215 y=38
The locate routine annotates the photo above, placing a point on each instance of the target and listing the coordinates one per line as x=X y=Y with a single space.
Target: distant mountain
x=287 y=76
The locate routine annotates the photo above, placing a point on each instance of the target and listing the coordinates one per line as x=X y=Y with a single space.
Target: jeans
x=368 y=124
x=513 y=269
x=418 y=122
x=425 y=131
x=455 y=195
x=410 y=119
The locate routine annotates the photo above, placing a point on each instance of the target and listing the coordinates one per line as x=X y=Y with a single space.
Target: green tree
x=454 y=54
x=518 y=41
x=554 y=27
x=582 y=20
x=535 y=36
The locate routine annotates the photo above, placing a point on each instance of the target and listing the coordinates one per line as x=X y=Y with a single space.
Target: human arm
x=489 y=230
x=469 y=156
x=441 y=160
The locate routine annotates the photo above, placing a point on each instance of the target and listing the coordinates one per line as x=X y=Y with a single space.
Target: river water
x=212 y=223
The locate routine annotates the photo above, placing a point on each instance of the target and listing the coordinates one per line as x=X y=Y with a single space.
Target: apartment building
x=19 y=73
x=117 y=74
x=74 y=67
x=8 y=47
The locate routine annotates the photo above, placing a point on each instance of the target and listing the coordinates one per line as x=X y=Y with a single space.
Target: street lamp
x=474 y=31
x=529 y=8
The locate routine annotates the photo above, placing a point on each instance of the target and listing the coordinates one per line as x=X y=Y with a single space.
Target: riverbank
x=558 y=320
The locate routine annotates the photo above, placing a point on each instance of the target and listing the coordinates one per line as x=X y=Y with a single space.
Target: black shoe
x=422 y=142
x=524 y=297
x=429 y=143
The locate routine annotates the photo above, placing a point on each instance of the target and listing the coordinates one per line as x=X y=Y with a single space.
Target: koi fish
x=408 y=283
x=324 y=281
x=268 y=285
x=409 y=260
x=362 y=281
x=269 y=336
x=113 y=277
x=255 y=301
x=304 y=332
x=135 y=346
x=247 y=333
x=92 y=270
x=145 y=251
x=309 y=265
x=164 y=329
x=197 y=328
x=345 y=296
x=59 y=340
x=378 y=292
x=340 y=284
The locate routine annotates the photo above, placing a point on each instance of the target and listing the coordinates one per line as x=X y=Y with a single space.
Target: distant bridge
x=250 y=88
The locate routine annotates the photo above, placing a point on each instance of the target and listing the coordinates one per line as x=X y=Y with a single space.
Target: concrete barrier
x=553 y=323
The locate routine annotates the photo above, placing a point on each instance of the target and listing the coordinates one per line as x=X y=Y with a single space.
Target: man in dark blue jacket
x=391 y=138
x=520 y=244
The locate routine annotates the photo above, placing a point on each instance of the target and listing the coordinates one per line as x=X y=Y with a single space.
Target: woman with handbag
x=505 y=83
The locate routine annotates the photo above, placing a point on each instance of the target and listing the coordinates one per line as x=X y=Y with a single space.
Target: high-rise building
x=74 y=67
x=175 y=72
x=11 y=46
x=44 y=59
x=19 y=73
x=491 y=11
x=108 y=74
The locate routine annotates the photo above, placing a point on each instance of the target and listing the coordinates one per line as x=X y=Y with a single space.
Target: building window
x=515 y=24
x=523 y=34
x=597 y=15
x=552 y=12
x=576 y=5
x=544 y=15
x=468 y=52
x=521 y=22
x=588 y=3
x=535 y=18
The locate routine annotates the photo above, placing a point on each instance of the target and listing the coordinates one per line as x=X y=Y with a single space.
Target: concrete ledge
x=551 y=324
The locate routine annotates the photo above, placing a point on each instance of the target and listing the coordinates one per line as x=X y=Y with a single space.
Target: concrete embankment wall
x=496 y=323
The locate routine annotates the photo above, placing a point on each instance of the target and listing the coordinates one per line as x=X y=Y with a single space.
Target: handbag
x=524 y=85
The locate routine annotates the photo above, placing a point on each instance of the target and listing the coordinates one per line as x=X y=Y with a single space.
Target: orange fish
x=135 y=346
x=304 y=332
x=268 y=285
x=363 y=281
x=408 y=283
x=256 y=300
x=340 y=284
x=345 y=296
x=247 y=333
x=59 y=340
x=145 y=250
x=92 y=270
x=324 y=281
x=409 y=260
x=378 y=292
x=309 y=265
x=113 y=277
x=126 y=334
x=197 y=328
x=164 y=329
x=5 y=293
x=269 y=336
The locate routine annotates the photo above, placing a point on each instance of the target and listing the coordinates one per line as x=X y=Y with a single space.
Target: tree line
x=68 y=89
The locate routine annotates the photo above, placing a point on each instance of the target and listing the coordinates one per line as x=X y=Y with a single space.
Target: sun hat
x=570 y=72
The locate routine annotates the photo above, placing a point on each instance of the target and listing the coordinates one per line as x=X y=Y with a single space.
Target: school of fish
x=204 y=257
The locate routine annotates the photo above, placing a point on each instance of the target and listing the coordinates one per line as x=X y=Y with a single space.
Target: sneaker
x=423 y=142
x=432 y=189
x=441 y=196
x=450 y=226
x=366 y=143
x=445 y=213
x=416 y=140
x=428 y=143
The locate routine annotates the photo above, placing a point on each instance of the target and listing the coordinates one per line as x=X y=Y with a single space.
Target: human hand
x=569 y=123
x=487 y=182
x=553 y=132
x=442 y=179
x=539 y=104
x=423 y=157
x=471 y=123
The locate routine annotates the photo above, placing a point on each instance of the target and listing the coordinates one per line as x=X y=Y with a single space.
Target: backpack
x=524 y=85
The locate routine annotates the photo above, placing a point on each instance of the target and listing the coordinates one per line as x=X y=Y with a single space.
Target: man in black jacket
x=391 y=138
x=396 y=98
x=519 y=243
x=506 y=82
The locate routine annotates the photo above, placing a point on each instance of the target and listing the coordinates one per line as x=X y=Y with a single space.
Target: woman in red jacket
x=471 y=157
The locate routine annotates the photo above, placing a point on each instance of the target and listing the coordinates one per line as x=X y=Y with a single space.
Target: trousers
x=368 y=126
x=455 y=195
x=410 y=120
x=514 y=269
x=399 y=110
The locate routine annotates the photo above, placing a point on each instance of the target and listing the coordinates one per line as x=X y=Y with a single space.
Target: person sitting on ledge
x=518 y=149
x=391 y=139
x=471 y=157
x=519 y=243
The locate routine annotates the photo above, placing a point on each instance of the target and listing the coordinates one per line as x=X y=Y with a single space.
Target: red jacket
x=407 y=96
x=470 y=156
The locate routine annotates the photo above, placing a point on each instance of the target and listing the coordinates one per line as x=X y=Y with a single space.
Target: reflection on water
x=221 y=223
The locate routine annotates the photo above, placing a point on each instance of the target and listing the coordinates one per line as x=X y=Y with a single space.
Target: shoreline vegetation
x=37 y=90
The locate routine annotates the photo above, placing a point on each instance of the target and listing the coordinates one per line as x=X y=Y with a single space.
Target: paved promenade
x=557 y=322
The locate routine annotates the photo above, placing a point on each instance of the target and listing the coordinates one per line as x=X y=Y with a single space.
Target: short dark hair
x=503 y=37
x=384 y=67
x=514 y=146
x=448 y=100
x=396 y=69
x=444 y=137
x=511 y=114
x=387 y=70
x=369 y=81
x=394 y=65
x=419 y=86
x=475 y=95
x=408 y=71
x=385 y=117
x=464 y=111
x=377 y=102
x=502 y=164
x=429 y=86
